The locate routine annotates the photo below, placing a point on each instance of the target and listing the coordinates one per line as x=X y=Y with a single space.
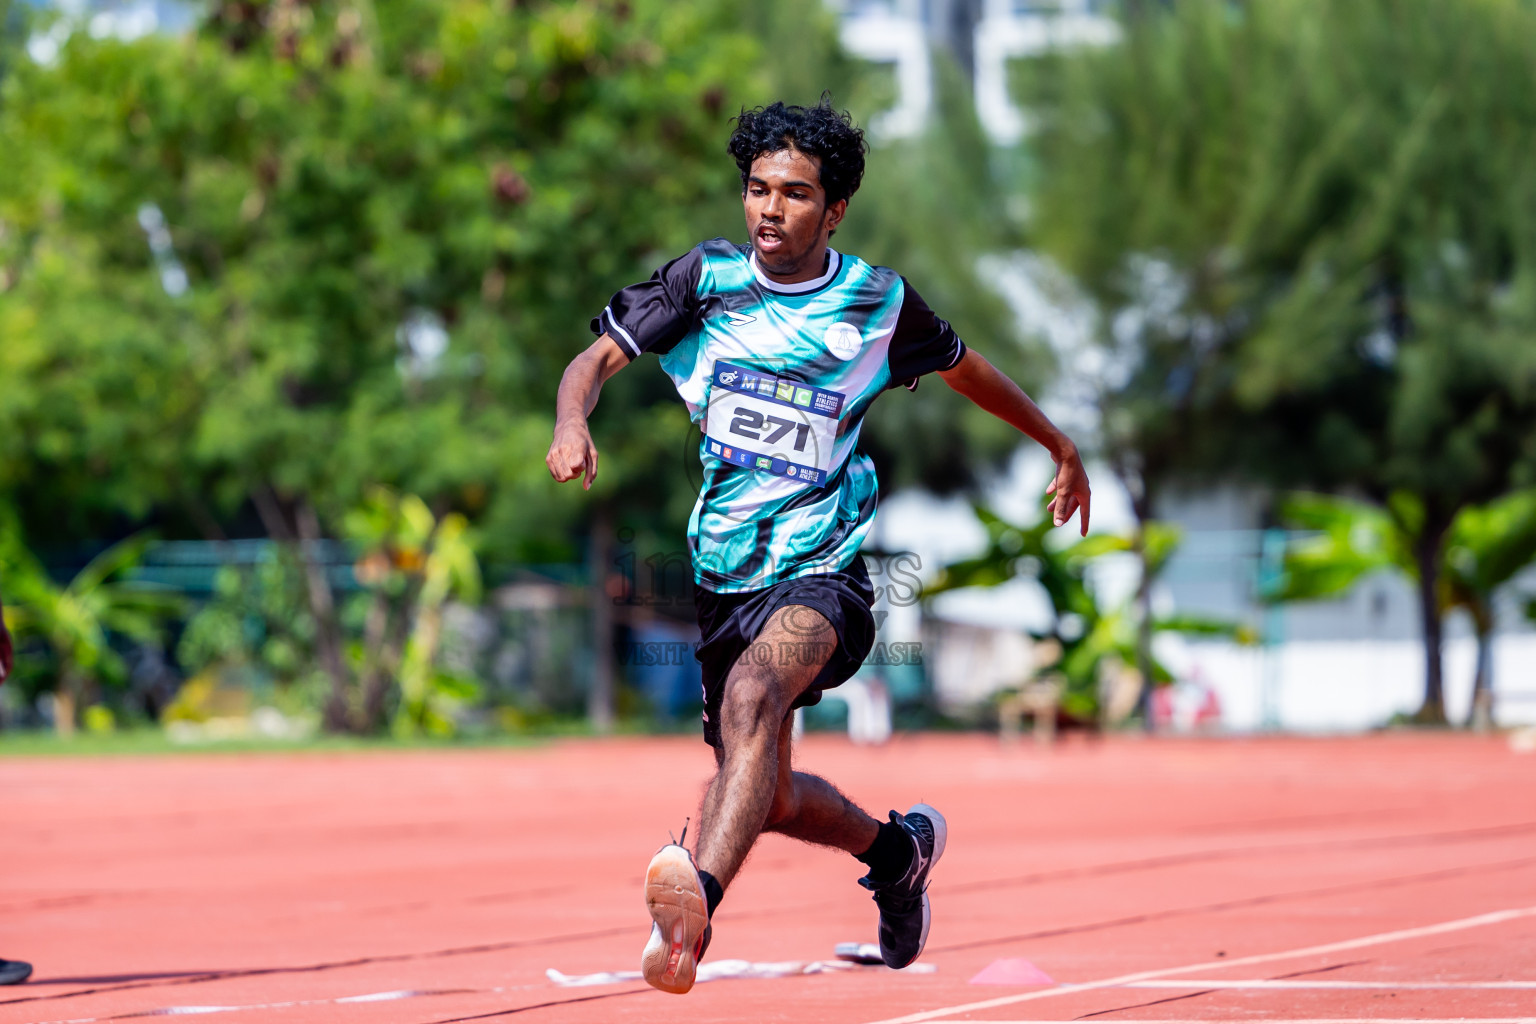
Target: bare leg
x=755 y=788
x=809 y=808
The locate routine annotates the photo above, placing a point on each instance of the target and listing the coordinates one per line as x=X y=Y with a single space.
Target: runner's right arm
x=651 y=316
x=572 y=452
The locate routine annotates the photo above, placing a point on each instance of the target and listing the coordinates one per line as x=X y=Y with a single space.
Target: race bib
x=771 y=423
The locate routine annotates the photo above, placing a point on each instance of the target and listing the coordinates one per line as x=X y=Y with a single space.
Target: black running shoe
x=14 y=972
x=903 y=904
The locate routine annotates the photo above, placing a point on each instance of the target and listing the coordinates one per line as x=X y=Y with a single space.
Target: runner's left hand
x=1070 y=487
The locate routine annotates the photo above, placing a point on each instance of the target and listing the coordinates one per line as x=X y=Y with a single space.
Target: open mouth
x=768 y=239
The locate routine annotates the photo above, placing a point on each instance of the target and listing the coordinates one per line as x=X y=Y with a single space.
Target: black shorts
x=729 y=623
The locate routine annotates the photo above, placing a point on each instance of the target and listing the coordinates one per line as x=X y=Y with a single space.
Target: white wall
x=1343 y=665
x=1347 y=685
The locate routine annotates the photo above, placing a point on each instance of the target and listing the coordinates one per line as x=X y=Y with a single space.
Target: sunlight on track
x=1292 y=983
x=343 y=883
x=1481 y=920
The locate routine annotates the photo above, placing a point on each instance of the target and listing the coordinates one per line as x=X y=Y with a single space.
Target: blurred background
x=286 y=289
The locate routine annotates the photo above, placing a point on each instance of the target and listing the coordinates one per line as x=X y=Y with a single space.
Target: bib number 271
x=752 y=424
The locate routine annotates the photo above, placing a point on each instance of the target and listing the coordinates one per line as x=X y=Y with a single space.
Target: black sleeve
x=922 y=343
x=654 y=315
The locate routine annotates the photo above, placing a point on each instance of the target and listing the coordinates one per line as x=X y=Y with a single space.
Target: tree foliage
x=1090 y=632
x=1311 y=233
x=76 y=622
x=380 y=232
x=251 y=274
x=315 y=248
x=1485 y=547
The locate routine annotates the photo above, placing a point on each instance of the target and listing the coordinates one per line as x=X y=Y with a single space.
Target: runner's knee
x=752 y=706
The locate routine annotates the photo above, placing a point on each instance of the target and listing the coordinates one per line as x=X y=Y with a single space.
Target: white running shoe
x=674 y=894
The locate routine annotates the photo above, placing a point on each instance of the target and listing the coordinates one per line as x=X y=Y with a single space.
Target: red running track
x=1376 y=878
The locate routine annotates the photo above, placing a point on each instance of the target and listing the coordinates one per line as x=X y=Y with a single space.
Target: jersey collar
x=834 y=264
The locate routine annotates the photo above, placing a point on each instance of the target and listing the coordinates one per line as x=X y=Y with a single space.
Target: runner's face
x=787 y=214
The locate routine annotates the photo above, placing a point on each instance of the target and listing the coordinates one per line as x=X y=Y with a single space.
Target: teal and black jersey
x=779 y=378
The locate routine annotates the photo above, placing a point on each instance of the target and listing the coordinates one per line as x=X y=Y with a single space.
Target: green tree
x=250 y=273
x=77 y=621
x=1311 y=238
x=1485 y=547
x=428 y=695
x=314 y=248
x=1088 y=631
x=15 y=21
x=412 y=562
x=256 y=619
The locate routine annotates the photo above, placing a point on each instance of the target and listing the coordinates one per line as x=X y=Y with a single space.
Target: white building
x=982 y=36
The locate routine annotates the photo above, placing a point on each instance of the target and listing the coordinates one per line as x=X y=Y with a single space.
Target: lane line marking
x=1168 y=860
x=1481 y=920
x=371 y=997
x=1321 y=983
x=1235 y=904
x=201 y=977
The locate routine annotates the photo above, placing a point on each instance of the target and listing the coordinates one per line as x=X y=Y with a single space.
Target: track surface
x=1375 y=878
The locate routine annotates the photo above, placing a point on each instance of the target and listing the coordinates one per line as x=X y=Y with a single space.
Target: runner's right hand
x=572 y=453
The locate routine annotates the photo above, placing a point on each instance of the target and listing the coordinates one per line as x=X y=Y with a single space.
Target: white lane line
x=384 y=997
x=726 y=970
x=184 y=1011
x=1329 y=983
x=1402 y=935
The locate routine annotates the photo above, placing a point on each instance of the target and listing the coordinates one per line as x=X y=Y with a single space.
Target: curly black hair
x=818 y=131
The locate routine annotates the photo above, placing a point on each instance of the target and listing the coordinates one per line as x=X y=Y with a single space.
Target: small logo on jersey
x=785 y=391
x=763 y=463
x=765 y=386
x=714 y=447
x=729 y=453
x=739 y=319
x=843 y=340
x=802 y=397
x=729 y=377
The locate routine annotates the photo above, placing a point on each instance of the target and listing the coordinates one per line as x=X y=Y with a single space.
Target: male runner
x=12 y=972
x=778 y=348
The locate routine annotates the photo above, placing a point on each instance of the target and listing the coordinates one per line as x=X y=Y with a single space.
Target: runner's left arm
x=992 y=390
x=922 y=343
